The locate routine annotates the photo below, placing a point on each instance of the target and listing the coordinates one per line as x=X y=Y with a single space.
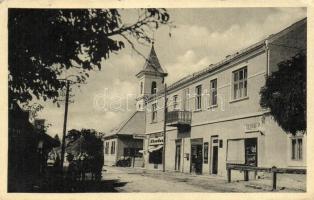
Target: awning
x=151 y=149
x=141 y=151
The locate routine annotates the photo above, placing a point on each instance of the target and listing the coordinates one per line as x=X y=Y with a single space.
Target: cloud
x=200 y=39
x=197 y=46
x=184 y=65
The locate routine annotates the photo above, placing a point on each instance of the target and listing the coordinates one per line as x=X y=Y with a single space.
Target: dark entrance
x=214 y=154
x=196 y=158
x=215 y=160
x=178 y=157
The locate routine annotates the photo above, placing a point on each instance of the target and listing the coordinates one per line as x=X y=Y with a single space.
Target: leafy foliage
x=45 y=43
x=91 y=143
x=285 y=94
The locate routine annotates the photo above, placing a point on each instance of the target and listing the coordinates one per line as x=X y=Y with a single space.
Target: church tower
x=150 y=79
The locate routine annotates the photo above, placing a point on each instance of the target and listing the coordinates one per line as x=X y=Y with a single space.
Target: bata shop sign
x=252 y=127
x=156 y=141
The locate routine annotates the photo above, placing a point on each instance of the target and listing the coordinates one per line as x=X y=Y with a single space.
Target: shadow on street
x=89 y=186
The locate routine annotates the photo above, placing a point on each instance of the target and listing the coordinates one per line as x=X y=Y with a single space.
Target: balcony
x=179 y=118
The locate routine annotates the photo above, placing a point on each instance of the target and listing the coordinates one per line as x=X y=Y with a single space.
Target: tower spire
x=153 y=40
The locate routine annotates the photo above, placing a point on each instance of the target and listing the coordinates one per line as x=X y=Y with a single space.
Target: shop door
x=196 y=158
x=178 y=157
x=215 y=160
x=214 y=163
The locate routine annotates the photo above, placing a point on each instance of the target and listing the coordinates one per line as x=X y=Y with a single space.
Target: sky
x=201 y=37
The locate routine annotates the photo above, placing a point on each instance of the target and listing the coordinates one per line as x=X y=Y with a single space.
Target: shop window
x=296 y=147
x=240 y=83
x=131 y=152
x=242 y=151
x=251 y=151
x=155 y=157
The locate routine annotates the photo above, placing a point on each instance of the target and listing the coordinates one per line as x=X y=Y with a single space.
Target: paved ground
x=141 y=180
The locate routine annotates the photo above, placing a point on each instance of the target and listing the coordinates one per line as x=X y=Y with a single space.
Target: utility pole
x=65 y=122
x=165 y=121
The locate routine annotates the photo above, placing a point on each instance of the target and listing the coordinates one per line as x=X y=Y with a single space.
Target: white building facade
x=214 y=116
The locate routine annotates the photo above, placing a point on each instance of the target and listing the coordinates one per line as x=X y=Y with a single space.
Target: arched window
x=154 y=89
x=141 y=88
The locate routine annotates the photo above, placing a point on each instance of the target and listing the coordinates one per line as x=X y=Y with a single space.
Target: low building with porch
x=121 y=143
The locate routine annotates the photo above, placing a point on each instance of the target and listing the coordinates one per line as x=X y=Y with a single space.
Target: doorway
x=214 y=161
x=197 y=156
x=178 y=157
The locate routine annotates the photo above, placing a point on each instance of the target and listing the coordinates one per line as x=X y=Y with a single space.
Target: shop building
x=214 y=117
x=121 y=144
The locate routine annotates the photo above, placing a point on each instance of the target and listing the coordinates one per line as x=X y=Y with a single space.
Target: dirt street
x=141 y=180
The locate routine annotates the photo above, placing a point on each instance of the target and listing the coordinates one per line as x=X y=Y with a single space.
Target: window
x=107 y=148
x=155 y=157
x=185 y=99
x=213 y=92
x=240 y=83
x=154 y=87
x=296 y=144
x=113 y=147
x=141 y=88
x=154 y=112
x=131 y=152
x=198 y=98
x=175 y=102
x=242 y=151
x=251 y=151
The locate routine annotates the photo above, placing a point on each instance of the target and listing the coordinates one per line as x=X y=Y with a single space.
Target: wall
x=226 y=107
x=228 y=118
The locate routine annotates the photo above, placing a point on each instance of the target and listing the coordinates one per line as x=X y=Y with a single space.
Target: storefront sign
x=156 y=141
x=139 y=136
x=252 y=127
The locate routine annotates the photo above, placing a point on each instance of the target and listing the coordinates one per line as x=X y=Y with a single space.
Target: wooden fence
x=274 y=170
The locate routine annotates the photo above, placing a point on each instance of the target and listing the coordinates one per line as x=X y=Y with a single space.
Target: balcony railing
x=177 y=118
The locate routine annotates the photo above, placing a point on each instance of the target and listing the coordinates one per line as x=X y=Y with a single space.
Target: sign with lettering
x=252 y=127
x=139 y=136
x=156 y=141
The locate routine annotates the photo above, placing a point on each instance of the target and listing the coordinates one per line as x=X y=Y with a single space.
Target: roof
x=152 y=64
x=135 y=124
x=230 y=58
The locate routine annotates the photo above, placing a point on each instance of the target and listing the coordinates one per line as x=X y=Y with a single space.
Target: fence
x=274 y=170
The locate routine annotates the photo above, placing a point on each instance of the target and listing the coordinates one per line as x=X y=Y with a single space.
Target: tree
x=45 y=43
x=285 y=94
x=73 y=135
x=85 y=140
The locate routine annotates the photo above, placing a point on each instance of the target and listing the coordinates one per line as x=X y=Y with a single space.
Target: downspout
x=267 y=57
x=183 y=155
